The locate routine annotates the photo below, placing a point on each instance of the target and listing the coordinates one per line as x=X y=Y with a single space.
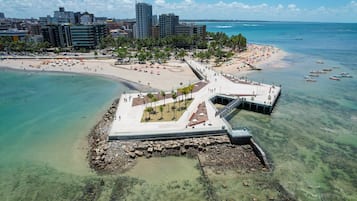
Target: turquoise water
x=44 y=121
x=311 y=136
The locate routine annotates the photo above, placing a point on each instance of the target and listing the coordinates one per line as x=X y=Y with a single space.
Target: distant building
x=5 y=25
x=61 y=16
x=115 y=33
x=15 y=34
x=57 y=35
x=168 y=23
x=143 y=20
x=87 y=36
x=100 y=20
x=154 y=21
x=184 y=29
x=86 y=18
x=155 y=33
x=36 y=39
x=2 y=16
x=35 y=29
x=191 y=30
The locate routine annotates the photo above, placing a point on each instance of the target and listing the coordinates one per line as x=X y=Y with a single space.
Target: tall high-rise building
x=154 y=20
x=2 y=15
x=143 y=20
x=168 y=23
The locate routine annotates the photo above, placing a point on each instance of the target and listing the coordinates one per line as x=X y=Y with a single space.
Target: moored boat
x=347 y=76
x=314 y=75
x=334 y=78
x=310 y=80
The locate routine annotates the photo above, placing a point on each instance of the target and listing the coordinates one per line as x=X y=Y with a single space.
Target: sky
x=272 y=10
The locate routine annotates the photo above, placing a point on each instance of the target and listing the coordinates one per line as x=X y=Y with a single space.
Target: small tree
x=154 y=99
x=185 y=91
x=149 y=110
x=174 y=96
x=163 y=94
x=190 y=88
x=149 y=95
x=161 y=110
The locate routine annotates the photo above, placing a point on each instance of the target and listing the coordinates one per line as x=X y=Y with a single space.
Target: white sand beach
x=259 y=56
x=167 y=76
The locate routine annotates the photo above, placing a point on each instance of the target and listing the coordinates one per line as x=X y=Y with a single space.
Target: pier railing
x=229 y=108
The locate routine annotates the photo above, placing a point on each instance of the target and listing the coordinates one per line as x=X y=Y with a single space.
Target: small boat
x=344 y=73
x=327 y=69
x=317 y=72
x=310 y=80
x=334 y=78
x=320 y=62
x=314 y=75
x=347 y=76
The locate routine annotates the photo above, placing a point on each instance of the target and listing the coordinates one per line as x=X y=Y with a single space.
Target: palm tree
x=154 y=99
x=185 y=91
x=122 y=52
x=163 y=94
x=149 y=110
x=190 y=88
x=149 y=95
x=181 y=54
x=180 y=90
x=174 y=96
x=161 y=110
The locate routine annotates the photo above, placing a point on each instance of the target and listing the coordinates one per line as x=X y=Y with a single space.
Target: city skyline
x=275 y=10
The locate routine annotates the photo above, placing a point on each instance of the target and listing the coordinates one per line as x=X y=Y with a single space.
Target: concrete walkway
x=128 y=118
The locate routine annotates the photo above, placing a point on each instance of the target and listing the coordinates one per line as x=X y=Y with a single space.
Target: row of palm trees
x=176 y=41
x=7 y=44
x=174 y=95
x=162 y=49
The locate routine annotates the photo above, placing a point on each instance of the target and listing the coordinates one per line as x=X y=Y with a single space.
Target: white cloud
x=293 y=7
x=160 y=2
x=186 y=9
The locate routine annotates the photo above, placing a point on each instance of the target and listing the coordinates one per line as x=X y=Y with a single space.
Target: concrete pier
x=217 y=88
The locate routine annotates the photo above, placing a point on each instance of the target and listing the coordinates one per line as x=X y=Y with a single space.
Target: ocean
x=311 y=136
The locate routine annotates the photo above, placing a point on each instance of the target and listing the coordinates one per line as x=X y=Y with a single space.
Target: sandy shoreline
x=167 y=76
x=257 y=56
x=164 y=77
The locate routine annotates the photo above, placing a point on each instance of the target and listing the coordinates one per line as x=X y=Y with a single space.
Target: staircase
x=229 y=108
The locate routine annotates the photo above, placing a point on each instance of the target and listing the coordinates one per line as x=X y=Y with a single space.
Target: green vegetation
x=220 y=46
x=157 y=113
x=151 y=113
x=7 y=44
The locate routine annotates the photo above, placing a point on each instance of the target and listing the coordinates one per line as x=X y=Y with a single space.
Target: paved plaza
x=128 y=118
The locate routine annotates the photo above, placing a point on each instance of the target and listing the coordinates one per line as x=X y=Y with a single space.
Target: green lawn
x=168 y=113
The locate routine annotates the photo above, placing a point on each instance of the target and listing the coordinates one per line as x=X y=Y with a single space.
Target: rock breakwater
x=118 y=156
